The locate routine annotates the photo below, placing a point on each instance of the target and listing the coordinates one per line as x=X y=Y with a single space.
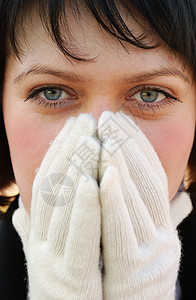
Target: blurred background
x=9 y=193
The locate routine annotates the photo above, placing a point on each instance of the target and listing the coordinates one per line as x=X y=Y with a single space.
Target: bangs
x=171 y=22
x=54 y=15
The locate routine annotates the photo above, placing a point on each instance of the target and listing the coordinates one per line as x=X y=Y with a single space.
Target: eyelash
x=33 y=96
x=153 y=106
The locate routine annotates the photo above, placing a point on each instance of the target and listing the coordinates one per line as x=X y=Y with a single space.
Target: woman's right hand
x=61 y=238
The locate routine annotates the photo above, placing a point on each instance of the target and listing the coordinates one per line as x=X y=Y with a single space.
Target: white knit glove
x=141 y=249
x=62 y=237
x=180 y=207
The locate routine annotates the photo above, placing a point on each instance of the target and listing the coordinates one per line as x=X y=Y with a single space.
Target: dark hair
x=171 y=22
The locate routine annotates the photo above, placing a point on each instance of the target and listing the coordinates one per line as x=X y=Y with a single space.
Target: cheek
x=29 y=139
x=172 y=141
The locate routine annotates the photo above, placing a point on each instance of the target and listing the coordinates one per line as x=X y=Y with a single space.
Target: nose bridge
x=100 y=103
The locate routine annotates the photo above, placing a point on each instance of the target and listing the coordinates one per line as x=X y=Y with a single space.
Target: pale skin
x=111 y=81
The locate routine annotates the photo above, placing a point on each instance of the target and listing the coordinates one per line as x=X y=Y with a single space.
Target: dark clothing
x=12 y=261
x=187 y=277
x=13 y=277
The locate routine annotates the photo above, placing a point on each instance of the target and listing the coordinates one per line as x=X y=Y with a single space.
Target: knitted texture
x=62 y=236
x=141 y=248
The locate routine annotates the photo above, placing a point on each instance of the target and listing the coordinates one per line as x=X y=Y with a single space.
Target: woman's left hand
x=141 y=248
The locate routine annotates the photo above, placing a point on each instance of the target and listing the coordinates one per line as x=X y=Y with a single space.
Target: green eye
x=149 y=96
x=52 y=94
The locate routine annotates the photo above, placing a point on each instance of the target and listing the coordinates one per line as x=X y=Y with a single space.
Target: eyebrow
x=157 y=73
x=75 y=78
x=41 y=70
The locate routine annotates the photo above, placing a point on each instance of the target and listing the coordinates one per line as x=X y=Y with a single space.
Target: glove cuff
x=180 y=207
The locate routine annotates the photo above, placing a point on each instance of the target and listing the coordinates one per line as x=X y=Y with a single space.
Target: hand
x=141 y=249
x=119 y=130
x=62 y=236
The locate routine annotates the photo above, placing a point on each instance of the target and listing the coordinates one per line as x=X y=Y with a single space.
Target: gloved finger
x=142 y=223
x=64 y=144
x=146 y=176
x=56 y=163
x=110 y=127
x=21 y=222
x=83 y=241
x=83 y=163
x=153 y=191
x=122 y=130
x=139 y=137
x=118 y=236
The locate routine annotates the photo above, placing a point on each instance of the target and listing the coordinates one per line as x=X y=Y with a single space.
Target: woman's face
x=142 y=83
